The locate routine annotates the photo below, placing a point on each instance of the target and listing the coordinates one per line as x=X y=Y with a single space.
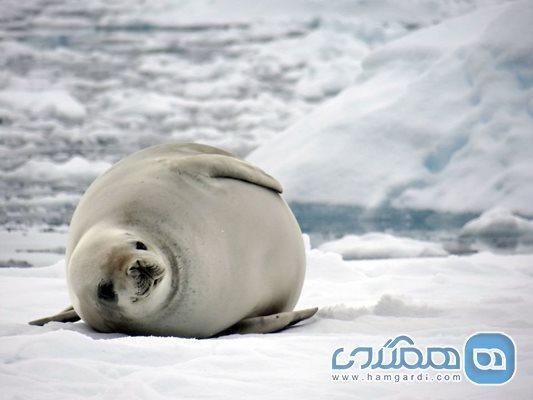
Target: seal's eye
x=140 y=246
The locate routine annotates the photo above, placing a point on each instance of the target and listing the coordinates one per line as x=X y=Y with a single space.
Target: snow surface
x=435 y=300
x=382 y=245
x=439 y=119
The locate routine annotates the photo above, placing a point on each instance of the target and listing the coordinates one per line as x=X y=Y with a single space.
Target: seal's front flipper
x=223 y=166
x=67 y=315
x=272 y=323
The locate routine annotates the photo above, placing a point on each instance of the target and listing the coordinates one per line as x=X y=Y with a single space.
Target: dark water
x=327 y=222
x=342 y=219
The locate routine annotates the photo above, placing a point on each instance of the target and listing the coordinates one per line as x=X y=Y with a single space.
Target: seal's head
x=117 y=279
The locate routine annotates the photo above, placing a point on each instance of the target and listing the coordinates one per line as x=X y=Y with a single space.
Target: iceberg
x=439 y=119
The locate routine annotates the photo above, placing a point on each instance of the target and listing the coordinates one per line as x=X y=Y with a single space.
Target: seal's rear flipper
x=67 y=315
x=271 y=323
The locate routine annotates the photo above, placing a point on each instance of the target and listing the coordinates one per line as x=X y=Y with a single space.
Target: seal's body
x=185 y=240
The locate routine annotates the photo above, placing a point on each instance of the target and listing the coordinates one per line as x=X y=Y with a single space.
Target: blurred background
x=403 y=124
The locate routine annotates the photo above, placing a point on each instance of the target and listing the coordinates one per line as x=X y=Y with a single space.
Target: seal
x=184 y=240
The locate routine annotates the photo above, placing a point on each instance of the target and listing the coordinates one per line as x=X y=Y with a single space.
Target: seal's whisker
x=146 y=276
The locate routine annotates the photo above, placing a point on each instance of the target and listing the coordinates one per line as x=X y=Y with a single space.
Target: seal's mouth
x=146 y=276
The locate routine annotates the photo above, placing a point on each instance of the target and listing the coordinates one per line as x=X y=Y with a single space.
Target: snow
x=439 y=119
x=434 y=300
x=382 y=245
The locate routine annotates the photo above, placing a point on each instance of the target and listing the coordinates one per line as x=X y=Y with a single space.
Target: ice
x=149 y=104
x=33 y=247
x=58 y=104
x=75 y=168
x=47 y=189
x=500 y=228
x=498 y=221
x=382 y=245
x=99 y=80
x=434 y=300
x=198 y=13
x=439 y=119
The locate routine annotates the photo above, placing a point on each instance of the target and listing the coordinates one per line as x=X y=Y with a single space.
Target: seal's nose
x=106 y=291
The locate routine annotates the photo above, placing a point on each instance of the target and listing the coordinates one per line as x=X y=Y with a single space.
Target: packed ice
x=382 y=245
